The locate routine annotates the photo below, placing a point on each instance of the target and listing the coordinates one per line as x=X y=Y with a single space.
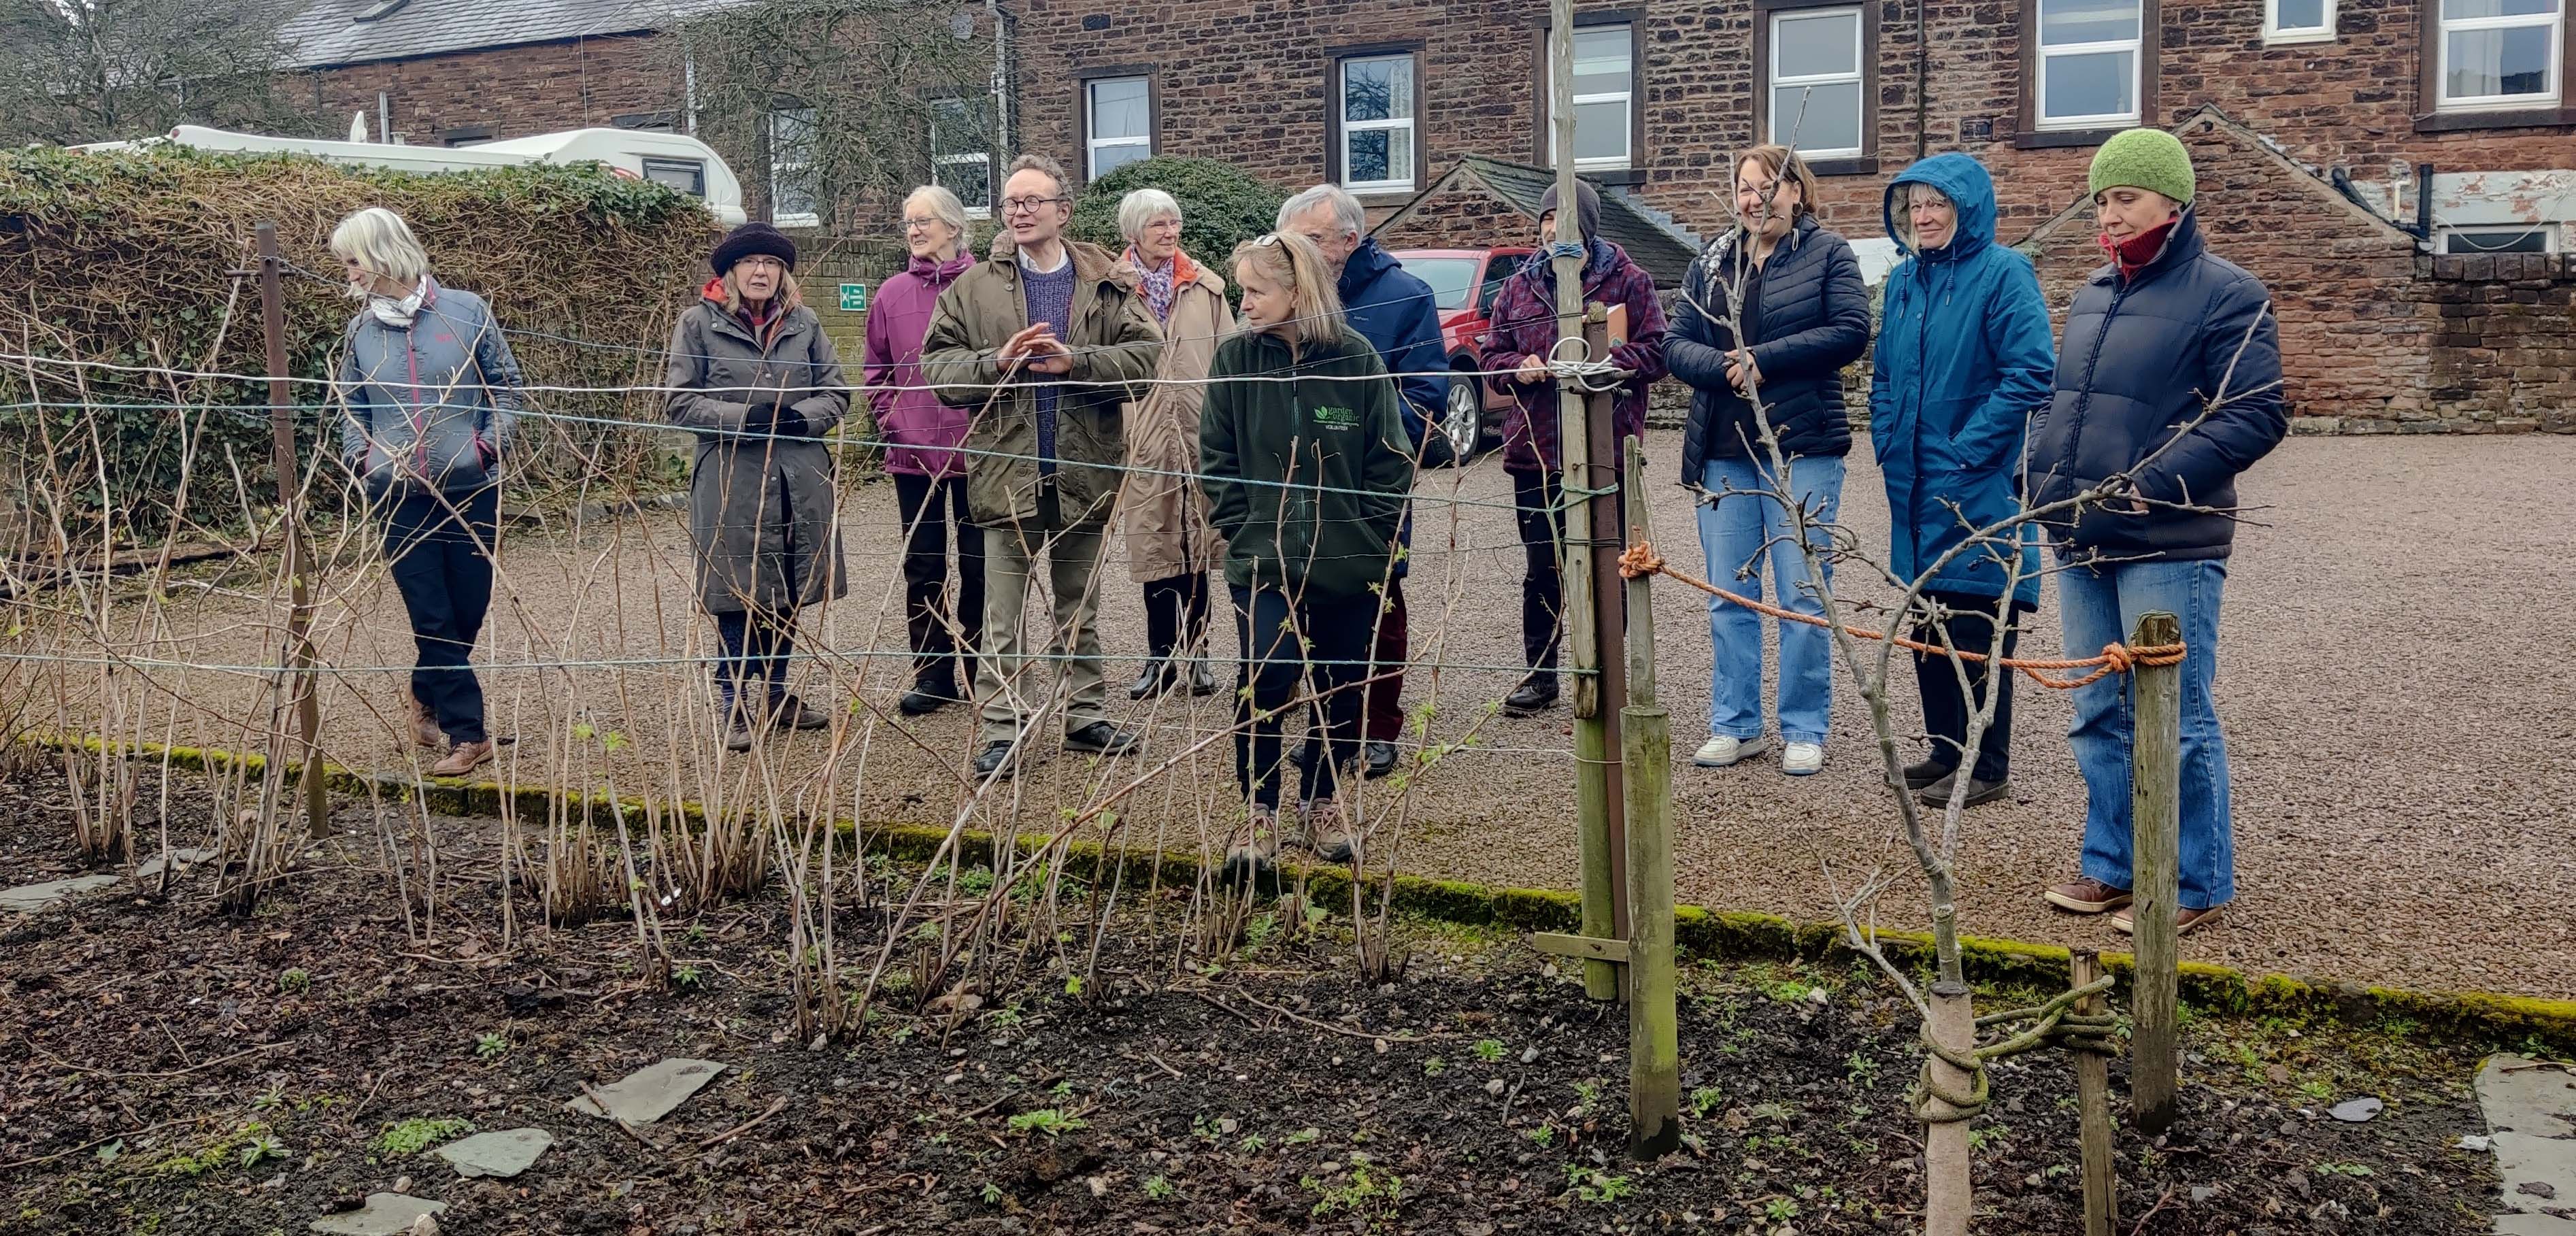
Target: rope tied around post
x=2055 y=1026
x=1641 y=560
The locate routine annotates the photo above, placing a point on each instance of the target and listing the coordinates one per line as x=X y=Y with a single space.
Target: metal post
x=1654 y=1038
x=2155 y=787
x=299 y=614
x=2093 y=1102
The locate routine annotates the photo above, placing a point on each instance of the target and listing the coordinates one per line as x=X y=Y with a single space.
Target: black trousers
x=929 y=509
x=438 y=548
x=1537 y=498
x=1176 y=614
x=1335 y=631
x=757 y=645
x=1946 y=707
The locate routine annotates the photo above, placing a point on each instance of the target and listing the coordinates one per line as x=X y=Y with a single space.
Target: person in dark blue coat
x=2168 y=386
x=1804 y=316
x=1395 y=311
x=1963 y=361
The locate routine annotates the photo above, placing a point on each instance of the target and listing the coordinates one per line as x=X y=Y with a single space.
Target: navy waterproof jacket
x=2142 y=359
x=1395 y=311
x=1809 y=318
x=1963 y=362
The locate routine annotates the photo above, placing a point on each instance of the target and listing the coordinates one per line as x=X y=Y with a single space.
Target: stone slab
x=385 y=1214
x=184 y=858
x=38 y=898
x=2531 y=1106
x=504 y=1154
x=649 y=1093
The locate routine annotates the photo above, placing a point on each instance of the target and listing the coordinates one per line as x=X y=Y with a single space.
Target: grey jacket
x=760 y=506
x=427 y=409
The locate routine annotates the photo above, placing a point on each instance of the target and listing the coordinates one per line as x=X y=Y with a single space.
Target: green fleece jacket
x=1307 y=478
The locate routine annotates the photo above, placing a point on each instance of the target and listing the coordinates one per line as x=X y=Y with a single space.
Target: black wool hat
x=751 y=238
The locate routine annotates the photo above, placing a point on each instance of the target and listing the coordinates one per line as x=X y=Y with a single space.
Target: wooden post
x=299 y=614
x=2155 y=802
x=2093 y=1098
x=1646 y=732
x=1949 y=1199
x=1598 y=801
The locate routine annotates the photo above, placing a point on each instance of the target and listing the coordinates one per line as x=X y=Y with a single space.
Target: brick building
x=2328 y=114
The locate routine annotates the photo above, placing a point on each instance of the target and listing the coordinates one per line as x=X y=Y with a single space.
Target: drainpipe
x=384 y=116
x=1001 y=75
x=1922 y=74
x=688 y=90
x=2424 y=202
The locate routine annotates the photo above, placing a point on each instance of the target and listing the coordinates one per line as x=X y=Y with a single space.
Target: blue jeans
x=756 y=646
x=2100 y=605
x=1733 y=532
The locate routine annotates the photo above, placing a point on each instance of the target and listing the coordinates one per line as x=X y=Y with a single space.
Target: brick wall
x=513 y=91
x=2504 y=357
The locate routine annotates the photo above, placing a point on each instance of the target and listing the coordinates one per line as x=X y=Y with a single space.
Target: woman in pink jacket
x=929 y=474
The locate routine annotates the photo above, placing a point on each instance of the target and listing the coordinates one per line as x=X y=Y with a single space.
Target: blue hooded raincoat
x=1964 y=359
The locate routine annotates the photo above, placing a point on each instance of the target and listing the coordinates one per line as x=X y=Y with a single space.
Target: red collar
x=2133 y=254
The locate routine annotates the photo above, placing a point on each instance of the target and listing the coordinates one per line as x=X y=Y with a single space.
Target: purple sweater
x=917 y=427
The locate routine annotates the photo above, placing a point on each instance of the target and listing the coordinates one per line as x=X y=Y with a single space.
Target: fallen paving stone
x=385 y=1214
x=2356 y=1111
x=649 y=1093
x=2526 y=1102
x=184 y=859
x=38 y=898
x=503 y=1154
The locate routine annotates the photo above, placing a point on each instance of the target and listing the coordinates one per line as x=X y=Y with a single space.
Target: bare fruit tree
x=99 y=70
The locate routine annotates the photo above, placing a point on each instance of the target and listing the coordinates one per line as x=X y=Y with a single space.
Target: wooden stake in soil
x=2155 y=784
x=1948 y=1197
x=2093 y=1098
x=299 y=613
x=1646 y=735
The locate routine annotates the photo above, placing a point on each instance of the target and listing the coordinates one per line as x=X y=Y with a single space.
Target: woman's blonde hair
x=788 y=298
x=1292 y=261
x=1782 y=163
x=382 y=245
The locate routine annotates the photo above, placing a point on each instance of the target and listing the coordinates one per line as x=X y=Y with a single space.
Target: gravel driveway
x=2393 y=685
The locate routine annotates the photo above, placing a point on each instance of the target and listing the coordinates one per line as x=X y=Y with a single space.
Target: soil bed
x=167 y=1069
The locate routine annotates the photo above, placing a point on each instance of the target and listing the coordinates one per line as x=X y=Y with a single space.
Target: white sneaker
x=1721 y=751
x=1802 y=759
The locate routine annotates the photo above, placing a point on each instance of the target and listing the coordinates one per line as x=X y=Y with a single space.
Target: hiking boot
x=1920 y=776
x=2125 y=921
x=1980 y=791
x=463 y=758
x=928 y=695
x=737 y=730
x=997 y=761
x=1256 y=845
x=1722 y=751
x=424 y=724
x=1536 y=694
x=791 y=713
x=1102 y=738
x=1156 y=677
x=1802 y=759
x=1202 y=676
x=2086 y=895
x=1327 y=833
x=1377 y=759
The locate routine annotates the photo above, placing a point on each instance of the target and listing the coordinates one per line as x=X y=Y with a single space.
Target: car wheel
x=1462 y=422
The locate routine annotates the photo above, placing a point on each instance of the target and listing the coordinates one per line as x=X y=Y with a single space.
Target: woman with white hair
x=1170 y=546
x=921 y=436
x=429 y=389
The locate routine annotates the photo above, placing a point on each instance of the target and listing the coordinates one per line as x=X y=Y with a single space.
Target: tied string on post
x=2115 y=658
x=2056 y=1026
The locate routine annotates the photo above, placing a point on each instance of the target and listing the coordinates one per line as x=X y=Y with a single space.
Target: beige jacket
x=1163 y=507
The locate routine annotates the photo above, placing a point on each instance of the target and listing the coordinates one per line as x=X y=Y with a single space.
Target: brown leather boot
x=463 y=758
x=424 y=724
x=2126 y=921
x=2086 y=895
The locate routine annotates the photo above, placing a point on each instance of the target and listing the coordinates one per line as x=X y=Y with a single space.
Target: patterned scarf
x=1158 y=283
x=399 y=313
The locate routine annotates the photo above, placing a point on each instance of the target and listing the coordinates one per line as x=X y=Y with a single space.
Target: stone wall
x=2504 y=353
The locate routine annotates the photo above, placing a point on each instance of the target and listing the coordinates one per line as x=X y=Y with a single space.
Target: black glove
x=761 y=418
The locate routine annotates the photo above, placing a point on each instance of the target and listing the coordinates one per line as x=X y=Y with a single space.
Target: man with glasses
x=1041 y=344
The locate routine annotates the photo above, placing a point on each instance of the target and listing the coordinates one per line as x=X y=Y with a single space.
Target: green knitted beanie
x=2144 y=159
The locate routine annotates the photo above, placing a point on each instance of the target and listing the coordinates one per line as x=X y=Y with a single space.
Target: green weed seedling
x=1434 y=1067
x=491 y=1046
x=2345 y=1169
x=1489 y=1050
x=1159 y=1189
x=1371 y=1197
x=1594 y=1185
x=1544 y=1135
x=295 y=982
x=419 y=1133
x=1587 y=1095
x=1780 y=1209
x=992 y=1194
x=1048 y=1120
x=1704 y=1100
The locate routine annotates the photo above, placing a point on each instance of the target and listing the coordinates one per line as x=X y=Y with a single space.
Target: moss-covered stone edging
x=1741 y=935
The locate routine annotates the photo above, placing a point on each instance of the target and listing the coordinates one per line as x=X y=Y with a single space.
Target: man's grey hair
x=1347 y=214
x=1139 y=210
x=1037 y=163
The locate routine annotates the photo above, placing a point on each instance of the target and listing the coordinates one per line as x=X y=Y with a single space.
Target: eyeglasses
x=920 y=225
x=1029 y=205
x=1267 y=240
x=762 y=261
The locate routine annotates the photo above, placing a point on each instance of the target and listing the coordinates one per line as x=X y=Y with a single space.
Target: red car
x=1464 y=281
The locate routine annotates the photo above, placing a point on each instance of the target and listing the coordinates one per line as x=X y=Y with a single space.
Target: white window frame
x=2135 y=45
x=1402 y=182
x=2275 y=34
x=1092 y=142
x=1626 y=99
x=1857 y=79
x=781 y=169
x=983 y=158
x=2444 y=27
x=2549 y=236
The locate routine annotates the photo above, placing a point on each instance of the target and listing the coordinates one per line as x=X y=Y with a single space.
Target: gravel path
x=2402 y=730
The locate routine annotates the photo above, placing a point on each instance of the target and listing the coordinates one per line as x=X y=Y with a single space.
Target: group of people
x=1266 y=422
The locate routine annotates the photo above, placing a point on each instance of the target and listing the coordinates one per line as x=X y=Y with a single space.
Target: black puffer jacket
x=2139 y=359
x=1807 y=317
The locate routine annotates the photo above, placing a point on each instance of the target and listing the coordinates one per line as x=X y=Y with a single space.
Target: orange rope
x=1641 y=560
